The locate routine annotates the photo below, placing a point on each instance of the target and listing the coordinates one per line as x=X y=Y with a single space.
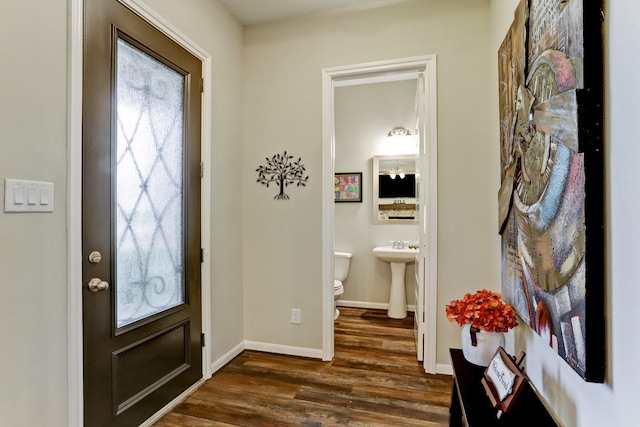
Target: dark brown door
x=141 y=217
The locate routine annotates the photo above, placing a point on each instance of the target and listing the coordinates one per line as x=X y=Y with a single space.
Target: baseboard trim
x=371 y=305
x=227 y=357
x=444 y=369
x=169 y=406
x=215 y=366
x=314 y=353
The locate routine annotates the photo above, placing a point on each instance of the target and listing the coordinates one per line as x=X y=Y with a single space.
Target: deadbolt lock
x=95 y=257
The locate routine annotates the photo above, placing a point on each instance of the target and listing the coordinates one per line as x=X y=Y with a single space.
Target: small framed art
x=503 y=380
x=348 y=187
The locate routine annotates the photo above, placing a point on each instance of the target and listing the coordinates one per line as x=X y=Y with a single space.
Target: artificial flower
x=483 y=310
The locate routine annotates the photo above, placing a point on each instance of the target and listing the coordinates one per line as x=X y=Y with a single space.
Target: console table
x=470 y=404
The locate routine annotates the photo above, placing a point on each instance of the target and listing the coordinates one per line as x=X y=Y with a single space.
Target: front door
x=140 y=218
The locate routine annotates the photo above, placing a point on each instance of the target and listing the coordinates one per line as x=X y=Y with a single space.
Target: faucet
x=398 y=243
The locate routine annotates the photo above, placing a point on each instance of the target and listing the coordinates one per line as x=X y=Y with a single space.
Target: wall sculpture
x=551 y=200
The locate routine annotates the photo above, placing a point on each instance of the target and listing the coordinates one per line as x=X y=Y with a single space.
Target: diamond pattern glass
x=149 y=186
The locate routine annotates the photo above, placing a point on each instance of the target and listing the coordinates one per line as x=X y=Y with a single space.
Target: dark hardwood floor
x=374 y=380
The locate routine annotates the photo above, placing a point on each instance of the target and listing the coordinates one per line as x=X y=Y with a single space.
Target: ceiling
x=252 y=12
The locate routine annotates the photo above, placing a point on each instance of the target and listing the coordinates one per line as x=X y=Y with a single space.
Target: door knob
x=97 y=285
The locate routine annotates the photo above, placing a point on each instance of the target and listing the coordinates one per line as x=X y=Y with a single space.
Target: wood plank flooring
x=374 y=380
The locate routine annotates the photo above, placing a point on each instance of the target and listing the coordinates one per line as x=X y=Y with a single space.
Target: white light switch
x=32 y=196
x=28 y=196
x=18 y=196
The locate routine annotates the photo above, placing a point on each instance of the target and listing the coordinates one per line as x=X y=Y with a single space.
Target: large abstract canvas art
x=551 y=200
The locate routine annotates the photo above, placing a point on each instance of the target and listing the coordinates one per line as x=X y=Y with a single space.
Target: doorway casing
x=379 y=72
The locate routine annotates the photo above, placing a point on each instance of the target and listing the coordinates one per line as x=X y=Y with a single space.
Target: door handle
x=97 y=285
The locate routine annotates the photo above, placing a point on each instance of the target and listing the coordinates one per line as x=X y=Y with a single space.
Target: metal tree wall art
x=282 y=170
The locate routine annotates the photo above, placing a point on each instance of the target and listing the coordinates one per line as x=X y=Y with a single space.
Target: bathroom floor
x=374 y=380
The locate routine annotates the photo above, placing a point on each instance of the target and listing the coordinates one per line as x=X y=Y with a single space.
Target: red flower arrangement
x=484 y=310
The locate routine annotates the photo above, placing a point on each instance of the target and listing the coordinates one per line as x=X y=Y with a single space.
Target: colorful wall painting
x=348 y=187
x=551 y=200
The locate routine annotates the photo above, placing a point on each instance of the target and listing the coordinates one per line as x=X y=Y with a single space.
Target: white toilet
x=342 y=260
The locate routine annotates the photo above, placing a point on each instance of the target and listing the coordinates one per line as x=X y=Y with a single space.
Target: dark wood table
x=471 y=405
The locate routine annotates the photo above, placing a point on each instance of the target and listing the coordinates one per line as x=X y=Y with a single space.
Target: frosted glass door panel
x=149 y=186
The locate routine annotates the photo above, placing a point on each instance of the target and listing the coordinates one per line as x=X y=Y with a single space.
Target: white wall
x=623 y=207
x=613 y=403
x=282 y=110
x=33 y=261
x=363 y=115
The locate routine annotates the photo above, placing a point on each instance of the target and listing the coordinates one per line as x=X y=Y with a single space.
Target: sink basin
x=390 y=254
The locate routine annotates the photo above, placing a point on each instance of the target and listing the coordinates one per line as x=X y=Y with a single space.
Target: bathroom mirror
x=395 y=189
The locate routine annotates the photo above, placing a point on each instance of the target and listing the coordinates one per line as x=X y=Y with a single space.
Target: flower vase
x=478 y=346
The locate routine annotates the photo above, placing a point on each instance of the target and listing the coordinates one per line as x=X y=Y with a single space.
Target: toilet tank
x=342 y=260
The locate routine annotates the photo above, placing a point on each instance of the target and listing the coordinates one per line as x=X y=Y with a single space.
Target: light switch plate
x=28 y=196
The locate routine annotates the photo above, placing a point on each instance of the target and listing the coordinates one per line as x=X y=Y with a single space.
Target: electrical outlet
x=296 y=316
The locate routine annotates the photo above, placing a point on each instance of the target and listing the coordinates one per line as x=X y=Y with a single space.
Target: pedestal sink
x=398 y=258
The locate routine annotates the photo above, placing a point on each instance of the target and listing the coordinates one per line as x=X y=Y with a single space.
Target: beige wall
x=282 y=110
x=33 y=264
x=363 y=115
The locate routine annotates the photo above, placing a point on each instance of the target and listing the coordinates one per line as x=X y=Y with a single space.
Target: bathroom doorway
x=419 y=72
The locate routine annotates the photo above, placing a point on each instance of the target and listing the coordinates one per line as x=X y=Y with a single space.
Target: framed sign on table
x=503 y=380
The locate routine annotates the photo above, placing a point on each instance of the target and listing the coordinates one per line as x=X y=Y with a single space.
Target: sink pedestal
x=398 y=258
x=398 y=292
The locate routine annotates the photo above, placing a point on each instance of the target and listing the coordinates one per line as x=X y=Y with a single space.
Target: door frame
x=74 y=198
x=382 y=71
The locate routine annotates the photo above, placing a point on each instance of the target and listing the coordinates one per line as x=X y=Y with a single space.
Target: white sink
x=390 y=254
x=398 y=259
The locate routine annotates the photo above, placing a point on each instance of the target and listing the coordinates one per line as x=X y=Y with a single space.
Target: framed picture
x=551 y=201
x=348 y=187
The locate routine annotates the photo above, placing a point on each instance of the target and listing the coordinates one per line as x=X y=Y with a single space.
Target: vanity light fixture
x=399 y=131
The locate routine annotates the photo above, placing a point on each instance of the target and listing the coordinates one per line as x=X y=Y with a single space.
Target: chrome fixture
x=398 y=243
x=399 y=131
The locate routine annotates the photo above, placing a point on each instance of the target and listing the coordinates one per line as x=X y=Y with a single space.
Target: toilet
x=342 y=260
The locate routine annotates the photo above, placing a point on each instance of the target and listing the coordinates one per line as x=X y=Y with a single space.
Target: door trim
x=386 y=70
x=74 y=198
